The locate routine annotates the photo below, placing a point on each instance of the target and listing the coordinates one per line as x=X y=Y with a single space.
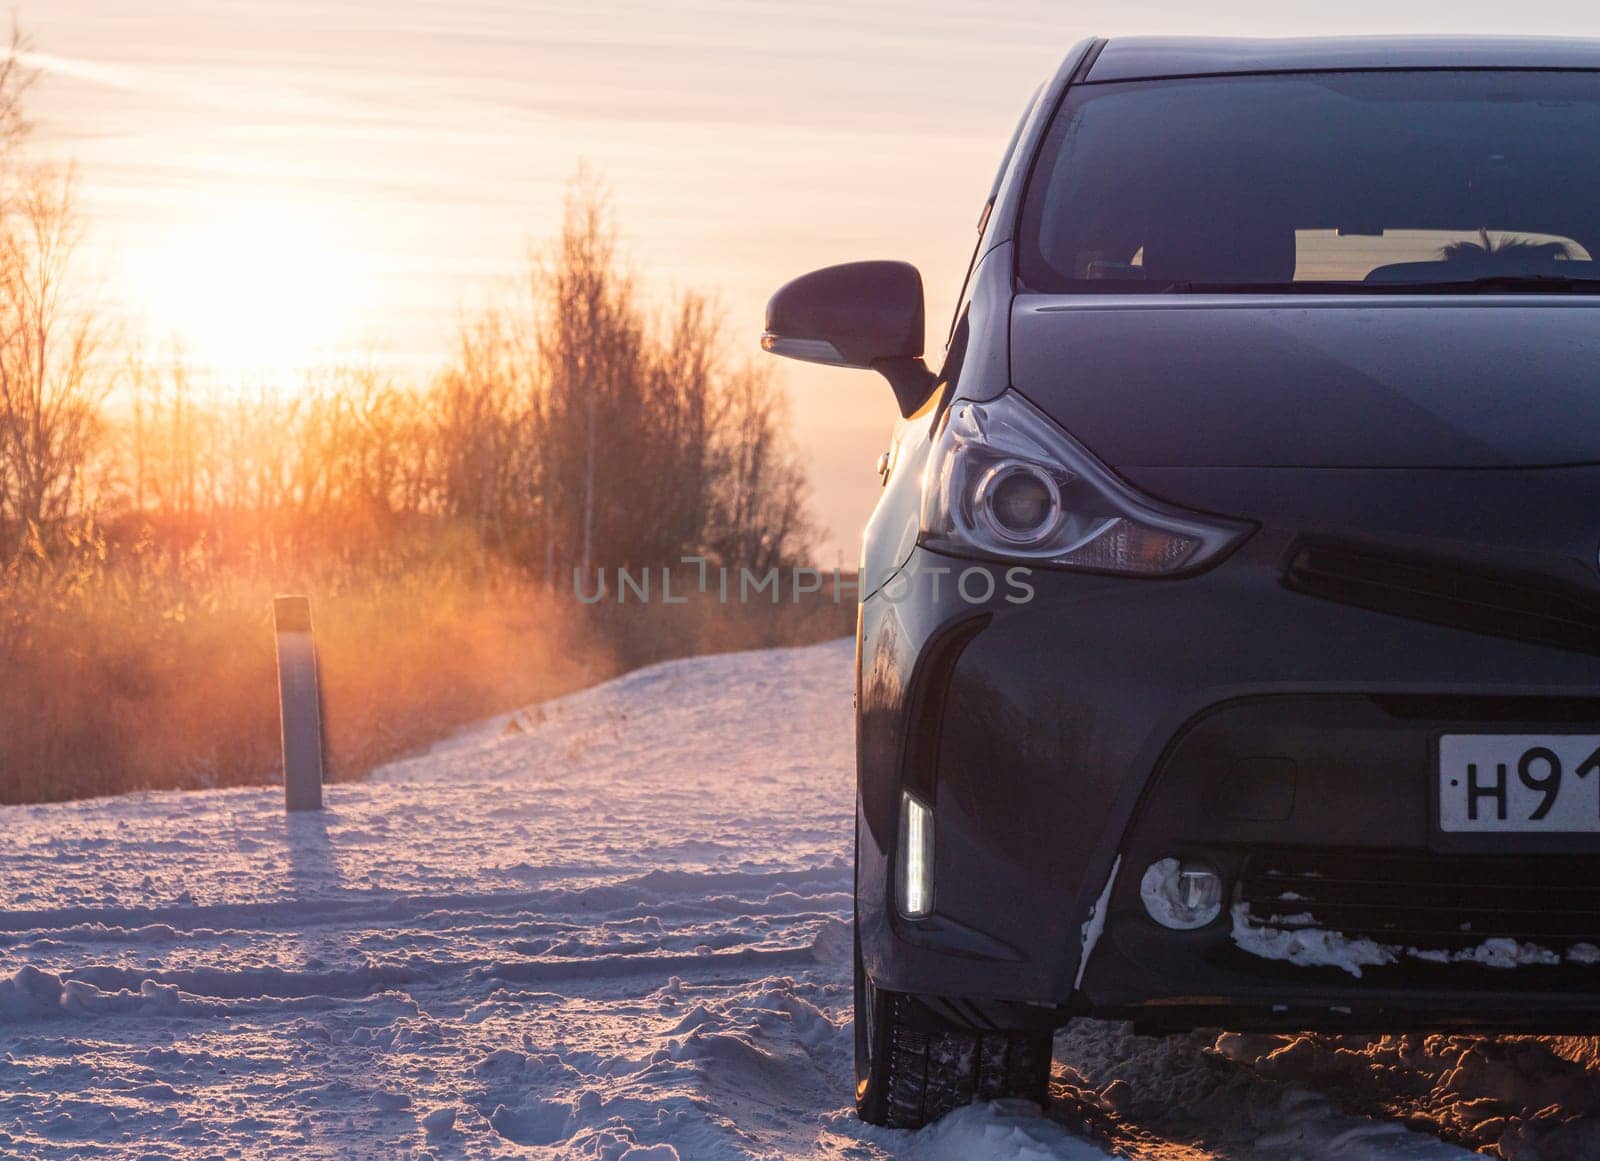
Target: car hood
x=1327 y=382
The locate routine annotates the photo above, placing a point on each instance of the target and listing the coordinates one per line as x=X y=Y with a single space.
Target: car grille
x=1429 y=902
x=1496 y=606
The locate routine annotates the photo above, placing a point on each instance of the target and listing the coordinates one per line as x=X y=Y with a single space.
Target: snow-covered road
x=614 y=926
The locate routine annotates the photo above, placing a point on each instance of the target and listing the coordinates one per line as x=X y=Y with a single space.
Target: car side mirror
x=861 y=314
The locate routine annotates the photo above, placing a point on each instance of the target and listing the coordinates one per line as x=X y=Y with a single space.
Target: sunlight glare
x=250 y=288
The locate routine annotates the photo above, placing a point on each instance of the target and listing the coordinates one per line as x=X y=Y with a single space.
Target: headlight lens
x=1019 y=501
x=1005 y=482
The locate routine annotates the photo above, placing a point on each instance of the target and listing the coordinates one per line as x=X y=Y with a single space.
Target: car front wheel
x=915 y=1064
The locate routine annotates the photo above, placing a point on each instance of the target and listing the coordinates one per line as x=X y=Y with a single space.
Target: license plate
x=1526 y=783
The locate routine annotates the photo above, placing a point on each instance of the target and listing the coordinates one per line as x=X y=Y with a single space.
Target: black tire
x=914 y=1065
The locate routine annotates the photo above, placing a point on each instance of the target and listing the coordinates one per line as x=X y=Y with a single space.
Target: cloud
x=108 y=76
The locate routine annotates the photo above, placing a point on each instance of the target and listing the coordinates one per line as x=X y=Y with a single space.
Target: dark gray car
x=1230 y=651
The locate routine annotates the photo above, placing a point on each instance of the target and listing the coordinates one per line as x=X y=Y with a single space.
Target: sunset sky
x=277 y=184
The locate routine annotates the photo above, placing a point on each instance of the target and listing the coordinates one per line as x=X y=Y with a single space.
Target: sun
x=251 y=288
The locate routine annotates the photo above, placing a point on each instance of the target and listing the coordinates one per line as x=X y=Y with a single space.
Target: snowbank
x=619 y=930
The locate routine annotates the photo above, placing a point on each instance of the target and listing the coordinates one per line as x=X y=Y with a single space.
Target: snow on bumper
x=1291 y=939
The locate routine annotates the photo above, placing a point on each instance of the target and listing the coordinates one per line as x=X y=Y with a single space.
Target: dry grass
x=152 y=674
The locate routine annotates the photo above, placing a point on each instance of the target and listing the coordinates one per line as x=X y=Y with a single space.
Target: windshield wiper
x=1487 y=284
x=1258 y=288
x=1510 y=283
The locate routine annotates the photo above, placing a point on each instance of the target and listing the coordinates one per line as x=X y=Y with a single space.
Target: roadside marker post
x=300 y=703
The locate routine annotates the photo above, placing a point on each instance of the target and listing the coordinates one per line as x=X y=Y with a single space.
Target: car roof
x=1141 y=57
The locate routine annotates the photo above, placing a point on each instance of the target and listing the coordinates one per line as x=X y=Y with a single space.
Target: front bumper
x=1109 y=717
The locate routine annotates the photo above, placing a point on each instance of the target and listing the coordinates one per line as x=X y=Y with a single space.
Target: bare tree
x=477 y=403
x=590 y=340
x=625 y=442
x=759 y=493
x=50 y=391
x=16 y=78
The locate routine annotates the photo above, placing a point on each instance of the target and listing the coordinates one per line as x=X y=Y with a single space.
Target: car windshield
x=1426 y=180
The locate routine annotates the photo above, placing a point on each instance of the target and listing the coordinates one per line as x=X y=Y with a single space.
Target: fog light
x=916 y=858
x=1182 y=896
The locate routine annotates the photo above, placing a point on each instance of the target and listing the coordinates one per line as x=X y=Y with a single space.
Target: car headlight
x=1005 y=482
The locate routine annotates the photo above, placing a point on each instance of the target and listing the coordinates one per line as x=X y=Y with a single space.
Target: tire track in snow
x=653 y=888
